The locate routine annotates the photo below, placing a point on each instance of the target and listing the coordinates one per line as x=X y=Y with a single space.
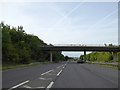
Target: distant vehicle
x=81 y=61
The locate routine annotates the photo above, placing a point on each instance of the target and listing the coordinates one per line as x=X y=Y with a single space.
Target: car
x=81 y=61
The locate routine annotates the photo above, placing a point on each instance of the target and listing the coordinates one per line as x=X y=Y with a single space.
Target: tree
x=66 y=58
x=21 y=48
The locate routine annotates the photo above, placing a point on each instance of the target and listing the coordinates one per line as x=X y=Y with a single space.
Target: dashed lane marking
x=59 y=73
x=18 y=85
x=50 y=85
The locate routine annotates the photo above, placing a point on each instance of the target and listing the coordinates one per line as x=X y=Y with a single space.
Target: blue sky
x=65 y=22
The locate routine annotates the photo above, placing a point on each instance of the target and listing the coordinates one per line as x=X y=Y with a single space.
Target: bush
x=99 y=56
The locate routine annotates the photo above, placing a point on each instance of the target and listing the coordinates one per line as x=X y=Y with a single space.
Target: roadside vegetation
x=16 y=66
x=109 y=66
x=99 y=57
x=102 y=58
x=19 y=48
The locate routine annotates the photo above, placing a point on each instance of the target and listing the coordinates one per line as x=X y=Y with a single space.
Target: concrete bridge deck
x=82 y=48
x=113 y=49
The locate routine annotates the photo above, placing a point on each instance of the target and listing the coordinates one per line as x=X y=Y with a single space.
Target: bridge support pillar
x=85 y=55
x=50 y=56
x=114 y=56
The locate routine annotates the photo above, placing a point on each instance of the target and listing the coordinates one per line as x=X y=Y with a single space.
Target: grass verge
x=15 y=66
x=117 y=67
x=109 y=66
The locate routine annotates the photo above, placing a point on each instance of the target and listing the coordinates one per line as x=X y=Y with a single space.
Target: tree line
x=18 y=47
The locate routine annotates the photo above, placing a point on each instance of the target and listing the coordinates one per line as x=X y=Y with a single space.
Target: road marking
x=26 y=86
x=59 y=67
x=50 y=85
x=63 y=67
x=18 y=85
x=46 y=72
x=45 y=78
x=40 y=87
x=59 y=73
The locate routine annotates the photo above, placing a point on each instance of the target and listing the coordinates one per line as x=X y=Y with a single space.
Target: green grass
x=15 y=66
x=107 y=65
x=117 y=67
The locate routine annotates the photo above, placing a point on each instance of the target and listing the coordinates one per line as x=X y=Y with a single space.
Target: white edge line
x=18 y=85
x=50 y=85
x=46 y=72
x=59 y=73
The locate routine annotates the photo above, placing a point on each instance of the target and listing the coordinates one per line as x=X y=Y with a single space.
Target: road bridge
x=83 y=48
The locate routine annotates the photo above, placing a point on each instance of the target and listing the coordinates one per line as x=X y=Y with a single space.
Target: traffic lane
x=13 y=77
x=77 y=76
x=104 y=72
x=45 y=79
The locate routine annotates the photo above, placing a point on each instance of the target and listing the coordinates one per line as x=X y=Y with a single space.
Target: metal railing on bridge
x=100 y=45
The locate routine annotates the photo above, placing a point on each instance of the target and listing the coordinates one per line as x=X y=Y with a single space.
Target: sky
x=89 y=23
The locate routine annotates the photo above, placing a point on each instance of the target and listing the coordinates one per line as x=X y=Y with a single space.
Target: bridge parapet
x=87 y=45
x=78 y=45
x=82 y=48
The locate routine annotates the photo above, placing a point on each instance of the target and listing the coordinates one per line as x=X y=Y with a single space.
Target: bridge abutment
x=51 y=56
x=85 y=55
x=115 y=56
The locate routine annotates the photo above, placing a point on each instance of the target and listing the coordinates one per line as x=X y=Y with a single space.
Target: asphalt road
x=61 y=75
x=86 y=76
x=13 y=77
